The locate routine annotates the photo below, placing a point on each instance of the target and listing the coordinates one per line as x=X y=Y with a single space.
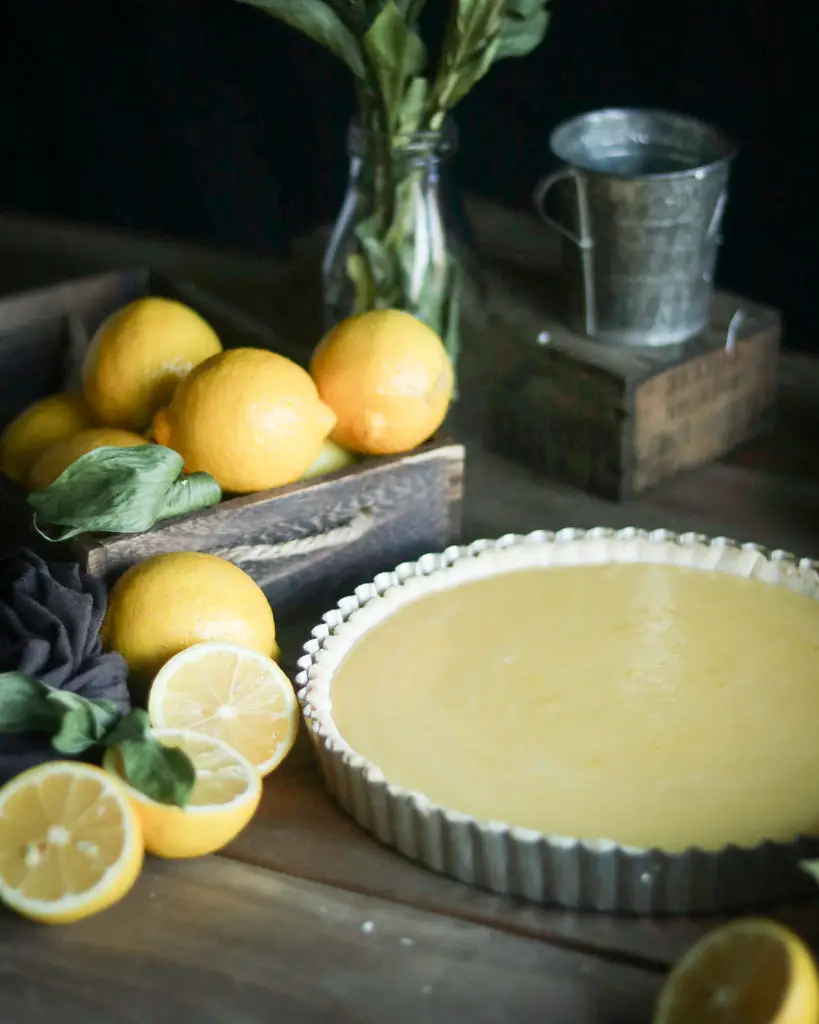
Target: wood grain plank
x=790 y=449
x=215 y=941
x=319 y=537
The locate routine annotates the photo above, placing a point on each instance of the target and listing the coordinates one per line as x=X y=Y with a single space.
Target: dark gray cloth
x=50 y=618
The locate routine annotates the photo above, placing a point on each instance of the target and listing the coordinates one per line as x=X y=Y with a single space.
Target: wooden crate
x=303 y=543
x=615 y=421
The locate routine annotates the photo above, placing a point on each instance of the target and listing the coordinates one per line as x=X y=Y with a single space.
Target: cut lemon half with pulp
x=233 y=693
x=70 y=842
x=752 y=970
x=223 y=800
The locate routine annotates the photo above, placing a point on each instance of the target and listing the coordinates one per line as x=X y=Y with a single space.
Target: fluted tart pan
x=583 y=874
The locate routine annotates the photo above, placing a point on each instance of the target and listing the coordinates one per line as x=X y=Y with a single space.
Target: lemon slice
x=224 y=798
x=232 y=693
x=70 y=842
x=752 y=970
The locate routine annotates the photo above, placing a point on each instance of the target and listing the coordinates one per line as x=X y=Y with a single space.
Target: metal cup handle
x=584 y=240
x=541 y=193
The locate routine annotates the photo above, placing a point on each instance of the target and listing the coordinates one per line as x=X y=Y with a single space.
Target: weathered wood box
x=303 y=543
x=615 y=421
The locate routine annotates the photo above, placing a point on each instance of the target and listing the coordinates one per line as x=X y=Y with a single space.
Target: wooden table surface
x=304 y=918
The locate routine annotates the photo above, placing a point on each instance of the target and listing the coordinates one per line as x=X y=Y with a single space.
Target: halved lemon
x=70 y=842
x=233 y=693
x=224 y=798
x=752 y=970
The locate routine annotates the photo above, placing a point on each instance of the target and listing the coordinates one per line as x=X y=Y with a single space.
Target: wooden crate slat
x=303 y=542
x=615 y=421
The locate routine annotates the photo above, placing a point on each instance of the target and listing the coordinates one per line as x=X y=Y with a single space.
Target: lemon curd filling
x=653 y=705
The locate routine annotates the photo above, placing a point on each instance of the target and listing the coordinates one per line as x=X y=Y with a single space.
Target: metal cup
x=640 y=199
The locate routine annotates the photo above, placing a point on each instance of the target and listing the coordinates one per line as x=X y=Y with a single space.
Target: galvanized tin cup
x=639 y=203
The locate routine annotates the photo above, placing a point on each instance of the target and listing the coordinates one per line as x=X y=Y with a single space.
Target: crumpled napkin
x=50 y=618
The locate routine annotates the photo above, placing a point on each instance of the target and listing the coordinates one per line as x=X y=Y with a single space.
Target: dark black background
x=206 y=119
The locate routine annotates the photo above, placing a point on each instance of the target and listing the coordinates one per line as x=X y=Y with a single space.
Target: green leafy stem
x=379 y=41
x=120 y=490
x=77 y=725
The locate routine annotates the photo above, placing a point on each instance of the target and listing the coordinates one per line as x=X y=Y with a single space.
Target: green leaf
x=84 y=722
x=189 y=493
x=524 y=27
x=811 y=867
x=319 y=21
x=411 y=113
x=411 y=10
x=395 y=54
x=164 y=774
x=481 y=32
x=472 y=39
x=359 y=273
x=383 y=267
x=23 y=705
x=121 y=490
x=75 y=723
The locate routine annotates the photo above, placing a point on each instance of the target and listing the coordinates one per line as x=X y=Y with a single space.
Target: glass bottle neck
x=421 y=149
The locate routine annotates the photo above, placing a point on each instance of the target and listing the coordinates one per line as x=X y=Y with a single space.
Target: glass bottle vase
x=394 y=244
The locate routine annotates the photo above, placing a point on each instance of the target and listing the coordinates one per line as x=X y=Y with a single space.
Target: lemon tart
x=596 y=718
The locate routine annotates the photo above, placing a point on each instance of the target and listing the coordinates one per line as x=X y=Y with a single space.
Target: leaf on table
x=23 y=707
x=75 y=723
x=189 y=493
x=318 y=20
x=396 y=54
x=164 y=774
x=84 y=723
x=524 y=27
x=121 y=490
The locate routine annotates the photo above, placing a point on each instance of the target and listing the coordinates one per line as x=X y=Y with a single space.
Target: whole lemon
x=250 y=418
x=388 y=379
x=58 y=457
x=39 y=426
x=167 y=603
x=138 y=356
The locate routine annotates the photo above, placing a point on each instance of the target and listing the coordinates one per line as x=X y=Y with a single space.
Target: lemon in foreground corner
x=752 y=970
x=58 y=457
x=224 y=798
x=71 y=844
x=250 y=418
x=139 y=355
x=232 y=693
x=39 y=426
x=167 y=603
x=388 y=379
